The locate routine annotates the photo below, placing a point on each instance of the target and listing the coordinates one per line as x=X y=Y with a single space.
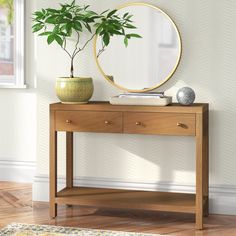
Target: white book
x=150 y=101
x=140 y=96
x=152 y=94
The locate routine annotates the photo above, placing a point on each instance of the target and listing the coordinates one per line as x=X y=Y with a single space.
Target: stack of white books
x=147 y=99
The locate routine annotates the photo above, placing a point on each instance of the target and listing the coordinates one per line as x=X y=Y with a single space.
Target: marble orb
x=185 y=96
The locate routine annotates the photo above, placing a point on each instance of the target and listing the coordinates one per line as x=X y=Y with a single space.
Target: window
x=12 y=44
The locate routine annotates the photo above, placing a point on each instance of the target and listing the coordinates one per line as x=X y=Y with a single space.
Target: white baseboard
x=17 y=171
x=222 y=198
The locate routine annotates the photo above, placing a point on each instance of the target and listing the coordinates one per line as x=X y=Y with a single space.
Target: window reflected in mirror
x=146 y=62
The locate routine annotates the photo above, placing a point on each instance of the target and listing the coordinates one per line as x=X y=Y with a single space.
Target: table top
x=106 y=106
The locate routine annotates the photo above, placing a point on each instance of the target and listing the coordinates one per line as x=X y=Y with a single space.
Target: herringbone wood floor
x=16 y=206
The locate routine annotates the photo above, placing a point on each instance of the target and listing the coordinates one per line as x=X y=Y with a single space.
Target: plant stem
x=64 y=48
x=72 y=68
x=71 y=57
x=77 y=43
x=81 y=49
x=76 y=51
x=101 y=50
x=87 y=42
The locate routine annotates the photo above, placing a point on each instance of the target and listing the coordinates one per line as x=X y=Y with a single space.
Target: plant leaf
x=58 y=39
x=73 y=3
x=125 y=15
x=77 y=26
x=51 y=38
x=129 y=17
x=111 y=13
x=38 y=14
x=37 y=27
x=130 y=26
x=126 y=41
x=117 y=32
x=56 y=29
x=99 y=29
x=86 y=7
x=68 y=15
x=51 y=20
x=91 y=13
x=106 y=39
x=45 y=33
x=103 y=32
x=133 y=36
x=69 y=27
x=50 y=10
x=88 y=27
x=104 y=12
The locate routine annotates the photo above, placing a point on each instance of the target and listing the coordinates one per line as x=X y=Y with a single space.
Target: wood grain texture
x=202 y=172
x=206 y=161
x=126 y=199
x=103 y=117
x=106 y=106
x=89 y=121
x=199 y=171
x=53 y=165
x=22 y=210
x=69 y=160
x=159 y=123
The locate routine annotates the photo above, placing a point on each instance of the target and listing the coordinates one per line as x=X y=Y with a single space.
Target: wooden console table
x=101 y=117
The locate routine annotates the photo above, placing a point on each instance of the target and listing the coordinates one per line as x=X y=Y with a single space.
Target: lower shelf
x=114 y=198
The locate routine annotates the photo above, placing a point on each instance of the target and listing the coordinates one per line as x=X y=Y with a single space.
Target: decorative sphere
x=185 y=96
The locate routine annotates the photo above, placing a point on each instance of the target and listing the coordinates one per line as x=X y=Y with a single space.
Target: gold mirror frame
x=164 y=80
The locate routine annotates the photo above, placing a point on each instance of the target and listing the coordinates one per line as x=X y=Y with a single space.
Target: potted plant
x=74 y=21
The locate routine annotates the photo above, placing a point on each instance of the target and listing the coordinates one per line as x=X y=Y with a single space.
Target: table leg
x=206 y=163
x=199 y=171
x=53 y=172
x=69 y=159
x=201 y=168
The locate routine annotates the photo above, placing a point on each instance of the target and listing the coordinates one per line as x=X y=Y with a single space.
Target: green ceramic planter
x=77 y=90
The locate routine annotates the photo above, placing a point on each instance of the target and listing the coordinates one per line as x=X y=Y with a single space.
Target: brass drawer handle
x=138 y=123
x=107 y=122
x=68 y=122
x=182 y=125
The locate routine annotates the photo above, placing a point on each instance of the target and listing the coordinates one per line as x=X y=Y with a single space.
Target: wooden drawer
x=159 y=123
x=89 y=121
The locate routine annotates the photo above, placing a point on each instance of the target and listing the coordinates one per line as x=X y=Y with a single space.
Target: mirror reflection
x=146 y=62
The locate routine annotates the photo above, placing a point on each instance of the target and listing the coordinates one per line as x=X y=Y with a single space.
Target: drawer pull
x=107 y=122
x=182 y=125
x=138 y=123
x=68 y=122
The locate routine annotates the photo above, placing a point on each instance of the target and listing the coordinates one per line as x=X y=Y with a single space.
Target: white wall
x=18 y=121
x=208 y=65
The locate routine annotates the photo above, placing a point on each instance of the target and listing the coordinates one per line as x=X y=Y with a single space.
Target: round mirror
x=147 y=61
